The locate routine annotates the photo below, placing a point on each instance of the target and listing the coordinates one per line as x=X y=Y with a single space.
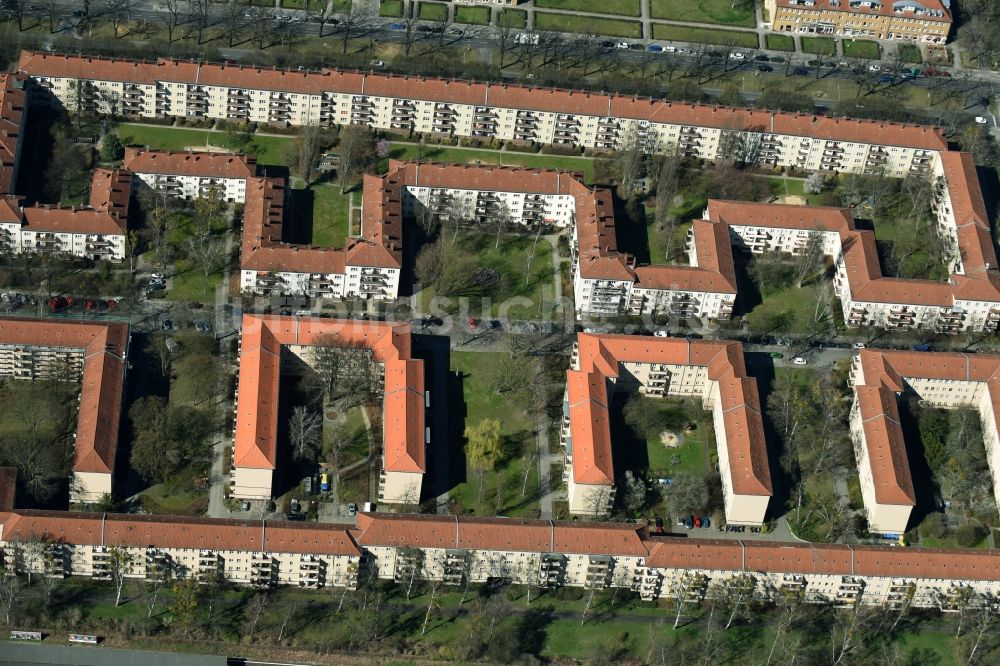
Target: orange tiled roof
x=190 y=163
x=882 y=8
x=257 y=405
x=102 y=380
x=883 y=374
x=599 y=357
x=502 y=95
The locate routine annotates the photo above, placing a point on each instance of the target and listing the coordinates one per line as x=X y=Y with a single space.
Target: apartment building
x=927 y=21
x=189 y=175
x=938 y=379
x=183 y=89
x=93 y=231
x=454 y=550
x=603 y=365
x=265 y=345
x=95 y=353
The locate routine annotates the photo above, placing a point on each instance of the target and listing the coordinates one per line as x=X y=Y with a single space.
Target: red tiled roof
x=883 y=374
x=598 y=358
x=102 y=380
x=257 y=405
x=883 y=8
x=139 y=531
x=468 y=93
x=190 y=163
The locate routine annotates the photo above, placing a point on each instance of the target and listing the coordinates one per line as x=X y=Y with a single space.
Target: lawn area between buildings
x=679 y=33
x=861 y=48
x=703 y=11
x=330 y=215
x=510 y=261
x=819 y=45
x=433 y=11
x=473 y=15
x=457 y=155
x=478 y=371
x=620 y=7
x=270 y=150
x=780 y=42
x=588 y=25
x=910 y=53
x=392 y=8
x=789 y=310
x=514 y=18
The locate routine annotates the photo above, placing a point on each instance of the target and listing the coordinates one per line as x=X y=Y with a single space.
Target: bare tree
x=432 y=605
x=231 y=17
x=305 y=430
x=631 y=162
x=352 y=25
x=308 y=149
x=635 y=493
x=256 y=608
x=10 y=595
x=261 y=27
x=174 y=9
x=120 y=562
x=504 y=37
x=355 y=142
x=811 y=257
x=205 y=251
x=598 y=501
x=54 y=12
x=411 y=565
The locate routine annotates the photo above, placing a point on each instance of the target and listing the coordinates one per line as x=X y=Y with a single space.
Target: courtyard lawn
x=481 y=401
x=679 y=33
x=861 y=48
x=691 y=455
x=330 y=209
x=456 y=155
x=165 y=499
x=780 y=42
x=355 y=433
x=49 y=419
x=391 y=8
x=787 y=186
x=510 y=261
x=819 y=45
x=910 y=53
x=514 y=18
x=789 y=310
x=474 y=15
x=433 y=11
x=270 y=150
x=588 y=25
x=190 y=284
x=703 y=11
x=620 y=7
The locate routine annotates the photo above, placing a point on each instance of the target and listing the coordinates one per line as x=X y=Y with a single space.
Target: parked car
x=886 y=78
x=765 y=68
x=921 y=347
x=655 y=48
x=245 y=505
x=874 y=67
x=324 y=482
x=776 y=355
x=705 y=522
x=981 y=120
x=397 y=26
x=800 y=71
x=167 y=325
x=858 y=345
x=762 y=58
x=295 y=506
x=621 y=45
x=798 y=360
x=352 y=509
x=697 y=521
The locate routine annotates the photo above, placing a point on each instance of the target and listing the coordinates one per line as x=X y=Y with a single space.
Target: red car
x=697 y=521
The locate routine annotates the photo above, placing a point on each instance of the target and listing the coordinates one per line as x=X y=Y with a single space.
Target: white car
x=737 y=55
x=621 y=45
x=874 y=68
x=859 y=345
x=798 y=360
x=981 y=120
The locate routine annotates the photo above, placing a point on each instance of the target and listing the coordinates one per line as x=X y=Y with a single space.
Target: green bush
x=969 y=535
x=933 y=526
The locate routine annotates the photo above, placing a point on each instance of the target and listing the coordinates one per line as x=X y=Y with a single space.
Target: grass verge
x=679 y=33
x=587 y=25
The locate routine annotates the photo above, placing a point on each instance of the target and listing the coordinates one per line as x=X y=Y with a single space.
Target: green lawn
x=474 y=15
x=910 y=53
x=339 y=6
x=481 y=401
x=679 y=33
x=860 y=48
x=515 y=18
x=690 y=456
x=793 y=307
x=50 y=416
x=433 y=11
x=620 y=7
x=270 y=150
x=356 y=434
x=176 y=501
x=391 y=8
x=819 y=45
x=787 y=186
x=587 y=25
x=780 y=42
x=455 y=155
x=702 y=11
x=329 y=216
x=510 y=261
x=192 y=285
